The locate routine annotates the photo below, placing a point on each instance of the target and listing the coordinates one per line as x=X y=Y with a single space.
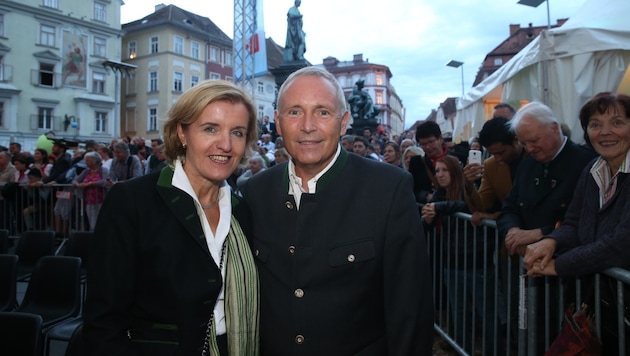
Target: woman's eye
x=238 y=133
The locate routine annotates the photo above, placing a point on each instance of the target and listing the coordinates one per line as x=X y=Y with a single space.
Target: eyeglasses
x=429 y=142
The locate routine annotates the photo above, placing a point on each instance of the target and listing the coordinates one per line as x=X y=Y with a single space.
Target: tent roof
x=600 y=25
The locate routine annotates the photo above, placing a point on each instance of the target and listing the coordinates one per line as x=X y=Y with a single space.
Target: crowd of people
x=233 y=234
x=39 y=189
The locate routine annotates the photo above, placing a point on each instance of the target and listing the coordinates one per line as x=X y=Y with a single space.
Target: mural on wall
x=74 y=57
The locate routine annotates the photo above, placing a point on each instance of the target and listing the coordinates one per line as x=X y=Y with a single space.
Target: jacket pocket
x=352 y=253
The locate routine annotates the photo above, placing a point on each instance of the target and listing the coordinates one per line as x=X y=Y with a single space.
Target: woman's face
x=90 y=162
x=215 y=142
x=37 y=156
x=475 y=146
x=442 y=175
x=19 y=166
x=609 y=134
x=389 y=154
x=279 y=157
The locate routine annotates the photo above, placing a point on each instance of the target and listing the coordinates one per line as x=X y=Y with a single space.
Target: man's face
x=14 y=149
x=541 y=141
x=432 y=146
x=359 y=148
x=503 y=112
x=502 y=152
x=255 y=166
x=120 y=155
x=347 y=145
x=308 y=120
x=367 y=134
x=266 y=119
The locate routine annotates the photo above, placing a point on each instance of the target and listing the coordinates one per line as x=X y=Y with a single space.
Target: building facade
x=173 y=50
x=52 y=77
x=377 y=78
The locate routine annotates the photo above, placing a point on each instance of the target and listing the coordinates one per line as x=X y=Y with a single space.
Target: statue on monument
x=361 y=106
x=295 y=44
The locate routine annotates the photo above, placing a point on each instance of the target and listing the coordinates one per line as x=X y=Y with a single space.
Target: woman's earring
x=183 y=145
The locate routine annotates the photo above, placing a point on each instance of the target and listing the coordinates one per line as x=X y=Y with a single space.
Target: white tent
x=587 y=55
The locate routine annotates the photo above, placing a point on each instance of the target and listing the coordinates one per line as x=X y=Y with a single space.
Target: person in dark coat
x=335 y=278
x=171 y=271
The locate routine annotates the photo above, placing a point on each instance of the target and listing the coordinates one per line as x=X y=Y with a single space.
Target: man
x=124 y=165
x=545 y=181
x=504 y=110
x=347 y=142
x=255 y=165
x=359 y=146
x=269 y=128
x=153 y=160
x=267 y=143
x=422 y=168
x=333 y=282
x=540 y=194
x=497 y=171
x=15 y=148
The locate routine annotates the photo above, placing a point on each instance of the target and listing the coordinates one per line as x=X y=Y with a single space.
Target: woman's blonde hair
x=190 y=105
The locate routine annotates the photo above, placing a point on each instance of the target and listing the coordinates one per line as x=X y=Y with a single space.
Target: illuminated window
x=379 y=78
x=131 y=49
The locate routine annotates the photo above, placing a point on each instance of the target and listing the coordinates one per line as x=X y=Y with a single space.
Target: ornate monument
x=293 y=56
x=295 y=45
x=364 y=112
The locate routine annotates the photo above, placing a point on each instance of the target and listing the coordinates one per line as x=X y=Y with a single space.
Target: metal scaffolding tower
x=244 y=29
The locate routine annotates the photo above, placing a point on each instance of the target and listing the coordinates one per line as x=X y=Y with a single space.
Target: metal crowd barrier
x=486 y=305
x=43 y=208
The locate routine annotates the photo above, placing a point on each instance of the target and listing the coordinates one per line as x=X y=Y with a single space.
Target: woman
x=281 y=155
x=171 y=271
x=40 y=158
x=594 y=233
x=391 y=154
x=467 y=259
x=92 y=182
x=409 y=152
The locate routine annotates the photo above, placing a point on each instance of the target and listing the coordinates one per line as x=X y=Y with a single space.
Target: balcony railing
x=46 y=123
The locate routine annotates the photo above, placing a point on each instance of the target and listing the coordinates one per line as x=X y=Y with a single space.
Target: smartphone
x=474 y=156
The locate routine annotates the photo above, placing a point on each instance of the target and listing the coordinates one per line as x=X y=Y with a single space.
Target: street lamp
x=457 y=64
x=536 y=3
